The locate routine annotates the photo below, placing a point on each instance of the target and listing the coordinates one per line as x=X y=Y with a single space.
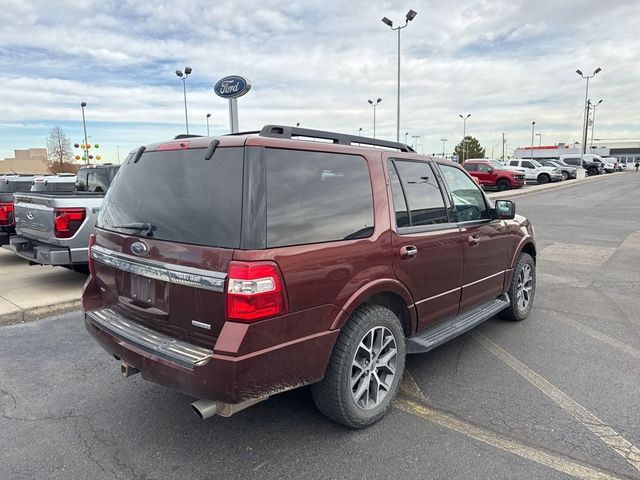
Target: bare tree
x=59 y=146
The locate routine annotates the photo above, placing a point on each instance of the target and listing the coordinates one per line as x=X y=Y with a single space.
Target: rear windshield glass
x=180 y=196
x=95 y=179
x=48 y=186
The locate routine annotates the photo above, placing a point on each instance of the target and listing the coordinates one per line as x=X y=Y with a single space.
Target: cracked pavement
x=66 y=412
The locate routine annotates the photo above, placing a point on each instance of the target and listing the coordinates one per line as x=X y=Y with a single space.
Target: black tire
x=333 y=395
x=503 y=185
x=593 y=171
x=543 y=178
x=565 y=176
x=514 y=312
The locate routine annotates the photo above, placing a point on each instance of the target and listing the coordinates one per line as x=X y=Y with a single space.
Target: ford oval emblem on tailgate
x=139 y=248
x=30 y=215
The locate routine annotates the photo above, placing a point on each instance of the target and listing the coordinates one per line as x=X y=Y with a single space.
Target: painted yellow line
x=600 y=429
x=602 y=337
x=550 y=460
x=409 y=387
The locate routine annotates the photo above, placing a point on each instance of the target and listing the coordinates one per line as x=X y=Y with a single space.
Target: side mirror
x=505 y=209
x=490 y=170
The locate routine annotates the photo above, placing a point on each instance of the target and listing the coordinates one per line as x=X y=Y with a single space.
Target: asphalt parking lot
x=555 y=396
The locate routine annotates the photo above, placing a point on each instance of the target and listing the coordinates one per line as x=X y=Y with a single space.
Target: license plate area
x=142 y=290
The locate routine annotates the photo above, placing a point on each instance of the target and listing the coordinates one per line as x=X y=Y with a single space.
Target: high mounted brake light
x=67 y=221
x=255 y=291
x=6 y=214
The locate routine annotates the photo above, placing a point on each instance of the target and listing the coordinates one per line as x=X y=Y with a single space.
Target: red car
x=238 y=267
x=494 y=175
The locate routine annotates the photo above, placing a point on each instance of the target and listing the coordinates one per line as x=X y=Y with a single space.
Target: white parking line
x=603 y=338
x=600 y=429
x=550 y=460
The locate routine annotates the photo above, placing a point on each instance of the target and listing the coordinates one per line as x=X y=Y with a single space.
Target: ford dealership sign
x=233 y=86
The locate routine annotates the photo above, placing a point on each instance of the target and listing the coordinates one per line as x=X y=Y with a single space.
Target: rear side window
x=421 y=192
x=470 y=167
x=316 y=197
x=180 y=195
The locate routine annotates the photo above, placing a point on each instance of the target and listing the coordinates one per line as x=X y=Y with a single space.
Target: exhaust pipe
x=128 y=370
x=208 y=408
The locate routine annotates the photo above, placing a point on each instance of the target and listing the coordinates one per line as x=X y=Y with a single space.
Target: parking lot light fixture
x=533 y=131
x=208 y=117
x=593 y=120
x=464 y=136
x=183 y=76
x=84 y=127
x=411 y=14
x=374 y=105
x=444 y=142
x=586 y=107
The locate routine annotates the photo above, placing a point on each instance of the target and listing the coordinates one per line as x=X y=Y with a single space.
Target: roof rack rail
x=282 y=131
x=250 y=132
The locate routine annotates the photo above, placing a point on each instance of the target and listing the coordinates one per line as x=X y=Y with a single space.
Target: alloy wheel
x=525 y=287
x=373 y=368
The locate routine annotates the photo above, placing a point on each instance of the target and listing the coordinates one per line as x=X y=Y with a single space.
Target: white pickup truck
x=54 y=228
x=535 y=171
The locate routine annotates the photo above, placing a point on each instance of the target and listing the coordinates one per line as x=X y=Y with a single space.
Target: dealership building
x=30 y=161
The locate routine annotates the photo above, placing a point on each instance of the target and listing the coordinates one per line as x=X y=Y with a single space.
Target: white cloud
x=506 y=63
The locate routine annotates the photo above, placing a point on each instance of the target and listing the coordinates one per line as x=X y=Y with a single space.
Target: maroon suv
x=238 y=267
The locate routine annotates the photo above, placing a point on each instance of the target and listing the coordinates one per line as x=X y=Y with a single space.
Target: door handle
x=408 y=252
x=473 y=240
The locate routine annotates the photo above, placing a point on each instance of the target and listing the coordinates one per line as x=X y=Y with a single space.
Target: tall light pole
x=444 y=142
x=208 y=117
x=84 y=126
x=586 y=106
x=414 y=144
x=539 y=135
x=374 y=114
x=593 y=120
x=533 y=130
x=411 y=14
x=183 y=77
x=504 y=142
x=406 y=134
x=360 y=131
x=464 y=136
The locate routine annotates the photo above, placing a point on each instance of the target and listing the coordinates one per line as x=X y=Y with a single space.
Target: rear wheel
x=565 y=175
x=543 y=178
x=522 y=289
x=503 y=185
x=365 y=368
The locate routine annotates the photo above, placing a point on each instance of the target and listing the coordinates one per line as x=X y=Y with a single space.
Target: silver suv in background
x=535 y=171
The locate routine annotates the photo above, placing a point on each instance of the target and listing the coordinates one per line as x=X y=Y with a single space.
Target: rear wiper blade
x=149 y=228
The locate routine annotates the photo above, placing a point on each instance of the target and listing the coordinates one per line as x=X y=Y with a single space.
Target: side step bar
x=435 y=336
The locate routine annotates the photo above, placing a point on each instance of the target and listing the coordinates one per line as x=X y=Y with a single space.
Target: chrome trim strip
x=195 y=323
x=169 y=348
x=485 y=278
x=178 y=274
x=439 y=295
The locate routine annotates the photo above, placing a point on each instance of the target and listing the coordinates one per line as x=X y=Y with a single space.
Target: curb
x=39 y=312
x=552 y=186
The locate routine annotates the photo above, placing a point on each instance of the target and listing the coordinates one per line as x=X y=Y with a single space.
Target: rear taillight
x=66 y=221
x=92 y=265
x=255 y=291
x=6 y=214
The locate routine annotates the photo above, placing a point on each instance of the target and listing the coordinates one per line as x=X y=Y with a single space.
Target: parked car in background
x=61 y=182
x=491 y=176
x=535 y=171
x=497 y=164
x=9 y=184
x=617 y=166
x=238 y=267
x=53 y=228
x=568 y=172
x=586 y=162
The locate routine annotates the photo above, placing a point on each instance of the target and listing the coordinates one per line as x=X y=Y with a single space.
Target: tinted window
x=16 y=185
x=470 y=167
x=527 y=165
x=94 y=179
x=399 y=202
x=184 y=197
x=468 y=200
x=514 y=163
x=484 y=168
x=317 y=197
x=423 y=195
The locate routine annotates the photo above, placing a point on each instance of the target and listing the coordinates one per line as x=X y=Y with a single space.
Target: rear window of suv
x=184 y=197
x=317 y=197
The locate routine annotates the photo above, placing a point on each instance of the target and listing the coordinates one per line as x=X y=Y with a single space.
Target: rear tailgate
x=173 y=288
x=34 y=216
x=165 y=236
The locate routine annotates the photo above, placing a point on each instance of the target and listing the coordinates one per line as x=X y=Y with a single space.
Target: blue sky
x=505 y=62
